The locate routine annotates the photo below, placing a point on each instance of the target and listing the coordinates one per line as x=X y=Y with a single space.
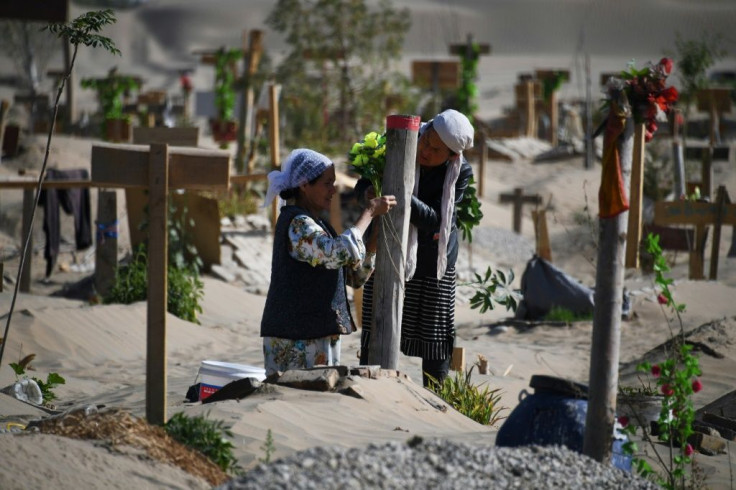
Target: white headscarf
x=456 y=132
x=302 y=166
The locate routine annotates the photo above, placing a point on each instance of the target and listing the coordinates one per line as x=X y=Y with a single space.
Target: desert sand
x=100 y=349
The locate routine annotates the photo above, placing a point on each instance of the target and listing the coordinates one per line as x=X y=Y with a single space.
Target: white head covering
x=456 y=132
x=300 y=167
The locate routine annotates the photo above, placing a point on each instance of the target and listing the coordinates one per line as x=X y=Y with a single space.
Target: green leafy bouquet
x=368 y=158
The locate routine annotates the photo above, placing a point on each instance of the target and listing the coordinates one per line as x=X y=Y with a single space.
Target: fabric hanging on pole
x=612 y=197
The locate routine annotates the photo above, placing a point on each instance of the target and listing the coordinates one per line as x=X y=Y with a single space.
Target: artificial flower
x=697 y=385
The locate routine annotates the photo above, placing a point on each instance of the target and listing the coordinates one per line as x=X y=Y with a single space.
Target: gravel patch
x=436 y=464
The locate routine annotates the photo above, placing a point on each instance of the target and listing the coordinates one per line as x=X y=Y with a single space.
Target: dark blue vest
x=303 y=302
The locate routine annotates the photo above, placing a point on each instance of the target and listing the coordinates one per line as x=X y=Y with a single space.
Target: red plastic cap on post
x=403 y=122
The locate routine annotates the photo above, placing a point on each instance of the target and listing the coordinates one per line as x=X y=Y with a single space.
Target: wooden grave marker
x=435 y=75
x=159 y=168
x=543 y=249
x=701 y=215
x=551 y=105
x=519 y=199
x=636 y=191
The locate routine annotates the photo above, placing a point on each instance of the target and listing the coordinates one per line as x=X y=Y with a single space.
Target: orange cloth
x=612 y=197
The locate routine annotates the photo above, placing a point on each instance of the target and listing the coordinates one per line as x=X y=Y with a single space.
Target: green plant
x=368 y=158
x=694 y=58
x=677 y=380
x=468 y=212
x=225 y=74
x=185 y=289
x=561 y=314
x=52 y=379
x=207 y=437
x=468 y=399
x=110 y=92
x=81 y=30
x=467 y=93
x=268 y=447
x=493 y=288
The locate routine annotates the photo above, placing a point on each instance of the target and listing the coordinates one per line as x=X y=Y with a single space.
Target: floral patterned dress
x=311 y=242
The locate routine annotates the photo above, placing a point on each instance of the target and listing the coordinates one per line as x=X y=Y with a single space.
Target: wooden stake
x=273 y=140
x=635 y=197
x=28 y=203
x=158 y=252
x=721 y=200
x=393 y=233
x=106 y=250
x=542 y=235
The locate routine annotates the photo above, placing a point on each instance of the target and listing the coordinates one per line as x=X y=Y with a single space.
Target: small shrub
x=561 y=314
x=268 y=447
x=468 y=399
x=185 y=289
x=207 y=437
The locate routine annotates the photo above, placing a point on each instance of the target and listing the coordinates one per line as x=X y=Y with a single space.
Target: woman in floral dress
x=306 y=308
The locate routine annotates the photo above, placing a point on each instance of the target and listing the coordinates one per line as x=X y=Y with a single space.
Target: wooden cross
x=519 y=199
x=700 y=214
x=159 y=168
x=550 y=106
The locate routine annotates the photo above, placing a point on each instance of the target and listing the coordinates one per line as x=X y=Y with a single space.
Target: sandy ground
x=100 y=350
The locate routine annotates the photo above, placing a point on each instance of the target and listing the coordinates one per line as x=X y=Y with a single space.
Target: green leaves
x=207 y=437
x=83 y=29
x=52 y=381
x=468 y=212
x=468 y=399
x=676 y=379
x=494 y=288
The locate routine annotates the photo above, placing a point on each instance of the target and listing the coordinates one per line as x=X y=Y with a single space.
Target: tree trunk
x=604 y=353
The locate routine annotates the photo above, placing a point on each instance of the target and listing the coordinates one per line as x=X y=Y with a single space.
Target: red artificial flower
x=697 y=385
x=656 y=370
x=667 y=390
x=689 y=450
x=662 y=299
x=666 y=64
x=623 y=420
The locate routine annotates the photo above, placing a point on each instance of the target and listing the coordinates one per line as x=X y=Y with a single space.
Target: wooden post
x=252 y=52
x=106 y=250
x=604 y=352
x=482 y=164
x=457 y=362
x=519 y=199
x=158 y=168
x=28 y=204
x=722 y=199
x=4 y=107
x=542 y=235
x=633 y=235
x=158 y=253
x=529 y=106
x=388 y=294
x=706 y=172
x=273 y=140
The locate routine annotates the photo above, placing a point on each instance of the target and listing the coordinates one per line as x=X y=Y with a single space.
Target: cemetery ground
x=101 y=349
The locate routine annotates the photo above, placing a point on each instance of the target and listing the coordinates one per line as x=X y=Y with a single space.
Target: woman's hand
x=381 y=205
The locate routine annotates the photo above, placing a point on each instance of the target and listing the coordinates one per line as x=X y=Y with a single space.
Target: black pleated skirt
x=428 y=317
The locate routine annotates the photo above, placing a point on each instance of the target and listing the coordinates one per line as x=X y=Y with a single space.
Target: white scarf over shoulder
x=456 y=132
